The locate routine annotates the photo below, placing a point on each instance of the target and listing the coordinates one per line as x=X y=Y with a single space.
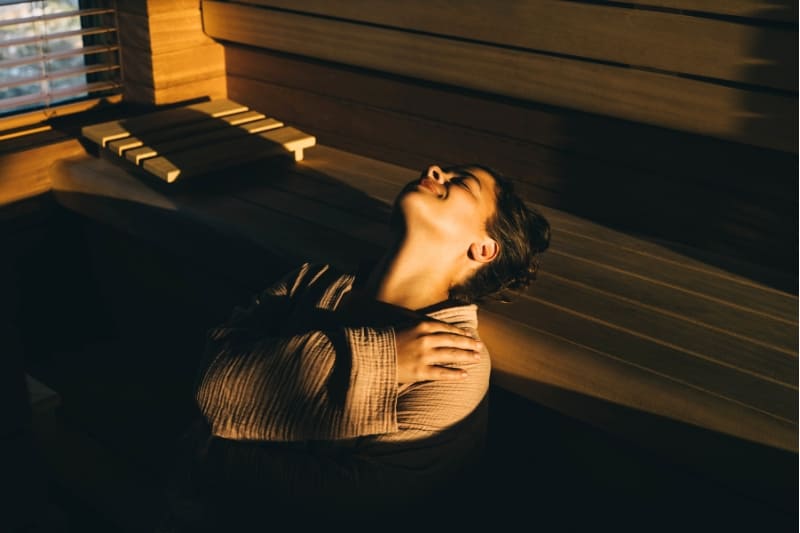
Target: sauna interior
x=163 y=160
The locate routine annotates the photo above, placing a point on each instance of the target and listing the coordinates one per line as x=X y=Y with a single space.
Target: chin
x=409 y=210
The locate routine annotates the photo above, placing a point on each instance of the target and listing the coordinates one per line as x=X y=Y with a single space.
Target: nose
x=436 y=173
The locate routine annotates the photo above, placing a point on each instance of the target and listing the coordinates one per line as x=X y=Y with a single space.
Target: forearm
x=318 y=385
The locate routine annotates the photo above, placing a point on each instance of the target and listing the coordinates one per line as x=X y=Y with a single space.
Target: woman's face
x=452 y=206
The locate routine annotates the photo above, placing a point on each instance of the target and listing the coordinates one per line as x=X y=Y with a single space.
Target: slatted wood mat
x=188 y=141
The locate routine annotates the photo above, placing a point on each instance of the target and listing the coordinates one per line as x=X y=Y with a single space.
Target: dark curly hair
x=522 y=233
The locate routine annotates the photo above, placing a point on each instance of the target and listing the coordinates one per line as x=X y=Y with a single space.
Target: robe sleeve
x=336 y=383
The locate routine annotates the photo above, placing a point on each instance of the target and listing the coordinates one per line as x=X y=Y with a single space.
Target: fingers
x=433 y=350
x=452 y=356
x=438 y=341
x=437 y=373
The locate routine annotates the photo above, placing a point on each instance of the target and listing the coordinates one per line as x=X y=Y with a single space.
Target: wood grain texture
x=777 y=10
x=156 y=7
x=613 y=193
x=647 y=294
x=301 y=217
x=666 y=41
x=677 y=155
x=162 y=32
x=166 y=56
x=203 y=139
x=202 y=159
x=522 y=354
x=107 y=131
x=662 y=357
x=25 y=172
x=753 y=374
x=642 y=96
x=177 y=67
x=214 y=88
x=611 y=250
x=208 y=125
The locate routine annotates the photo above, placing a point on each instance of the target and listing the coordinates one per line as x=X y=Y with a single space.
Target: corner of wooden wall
x=166 y=57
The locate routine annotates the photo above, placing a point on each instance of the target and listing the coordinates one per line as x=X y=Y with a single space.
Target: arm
x=319 y=384
x=323 y=383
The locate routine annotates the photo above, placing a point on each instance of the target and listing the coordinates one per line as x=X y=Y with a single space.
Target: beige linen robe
x=291 y=372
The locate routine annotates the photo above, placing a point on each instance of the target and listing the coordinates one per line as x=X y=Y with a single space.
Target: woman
x=347 y=387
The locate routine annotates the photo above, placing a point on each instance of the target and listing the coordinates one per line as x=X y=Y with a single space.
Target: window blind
x=53 y=52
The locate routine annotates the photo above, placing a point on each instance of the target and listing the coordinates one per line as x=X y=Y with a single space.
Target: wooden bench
x=672 y=268
x=613 y=321
x=631 y=372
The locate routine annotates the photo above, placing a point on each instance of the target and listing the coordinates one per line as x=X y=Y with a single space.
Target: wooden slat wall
x=166 y=57
x=684 y=188
x=639 y=38
x=772 y=10
x=557 y=76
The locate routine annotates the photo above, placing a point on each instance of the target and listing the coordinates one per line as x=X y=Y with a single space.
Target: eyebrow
x=466 y=174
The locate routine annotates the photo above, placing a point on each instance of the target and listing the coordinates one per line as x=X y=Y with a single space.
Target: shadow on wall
x=777 y=200
x=727 y=204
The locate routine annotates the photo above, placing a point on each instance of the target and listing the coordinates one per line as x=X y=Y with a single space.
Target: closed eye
x=461 y=181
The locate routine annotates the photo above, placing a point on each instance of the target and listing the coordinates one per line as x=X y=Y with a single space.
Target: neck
x=406 y=277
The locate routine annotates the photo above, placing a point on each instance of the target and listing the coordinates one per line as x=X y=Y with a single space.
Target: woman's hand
x=422 y=348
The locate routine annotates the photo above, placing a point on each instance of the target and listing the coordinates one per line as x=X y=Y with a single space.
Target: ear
x=484 y=251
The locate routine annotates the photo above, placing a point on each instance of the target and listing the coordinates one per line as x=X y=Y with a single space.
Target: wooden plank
x=212 y=88
x=614 y=255
x=157 y=7
x=384 y=180
x=516 y=351
x=162 y=32
x=750 y=327
x=641 y=96
x=117 y=129
x=109 y=194
x=752 y=330
x=593 y=188
x=742 y=298
x=176 y=67
x=523 y=355
x=679 y=156
x=25 y=173
x=186 y=142
x=661 y=40
x=777 y=10
x=690 y=353
x=746 y=388
x=670 y=252
x=212 y=124
x=188 y=65
x=681 y=335
x=202 y=160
